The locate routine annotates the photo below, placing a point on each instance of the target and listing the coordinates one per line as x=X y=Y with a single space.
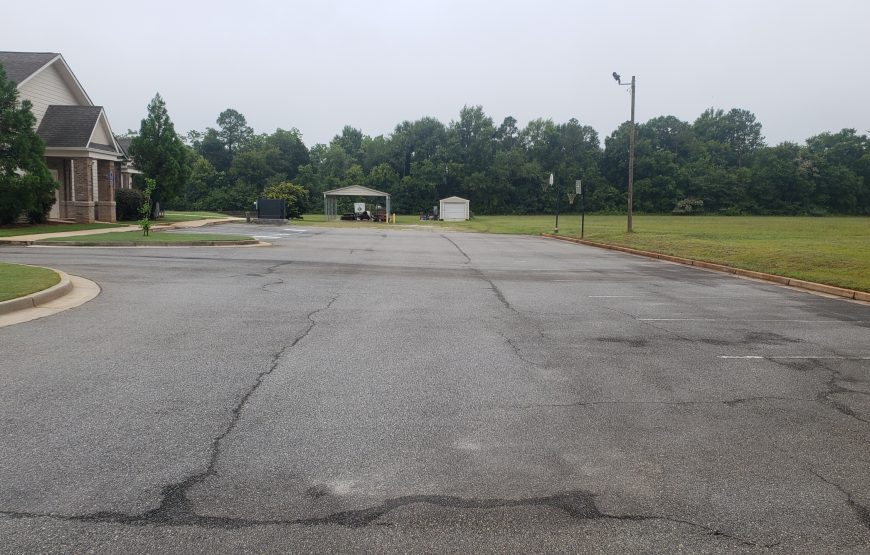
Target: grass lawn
x=136 y=238
x=12 y=231
x=832 y=250
x=835 y=251
x=17 y=280
x=172 y=216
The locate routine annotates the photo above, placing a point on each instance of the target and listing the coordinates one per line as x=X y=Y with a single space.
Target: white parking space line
x=795 y=357
x=742 y=320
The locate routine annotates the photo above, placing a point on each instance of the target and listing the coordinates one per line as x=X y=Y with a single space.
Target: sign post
x=556 y=228
x=578 y=187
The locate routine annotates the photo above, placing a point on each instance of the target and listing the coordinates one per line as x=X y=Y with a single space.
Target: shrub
x=689 y=206
x=128 y=203
x=295 y=195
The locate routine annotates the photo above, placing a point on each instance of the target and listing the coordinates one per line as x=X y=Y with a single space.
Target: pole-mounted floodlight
x=618 y=79
x=556 y=227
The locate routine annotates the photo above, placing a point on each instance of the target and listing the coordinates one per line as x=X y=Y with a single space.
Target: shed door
x=454 y=211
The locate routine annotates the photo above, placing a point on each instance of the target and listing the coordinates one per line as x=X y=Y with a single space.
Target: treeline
x=717 y=164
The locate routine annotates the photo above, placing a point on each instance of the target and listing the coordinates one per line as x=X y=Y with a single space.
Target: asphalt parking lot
x=408 y=390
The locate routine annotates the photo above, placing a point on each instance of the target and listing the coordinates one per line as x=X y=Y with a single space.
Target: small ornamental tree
x=296 y=197
x=26 y=186
x=145 y=208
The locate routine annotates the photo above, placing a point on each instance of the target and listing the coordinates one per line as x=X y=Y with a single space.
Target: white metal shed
x=454 y=209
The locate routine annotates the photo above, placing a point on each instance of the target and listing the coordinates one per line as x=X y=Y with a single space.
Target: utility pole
x=631 y=134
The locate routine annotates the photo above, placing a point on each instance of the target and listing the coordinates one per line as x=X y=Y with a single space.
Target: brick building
x=80 y=149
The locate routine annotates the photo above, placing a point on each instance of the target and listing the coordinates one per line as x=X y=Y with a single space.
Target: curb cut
x=781 y=280
x=40 y=297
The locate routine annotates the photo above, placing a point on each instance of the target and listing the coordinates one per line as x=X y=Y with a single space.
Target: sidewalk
x=27 y=239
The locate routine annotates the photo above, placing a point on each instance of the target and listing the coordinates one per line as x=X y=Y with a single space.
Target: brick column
x=105 y=203
x=81 y=206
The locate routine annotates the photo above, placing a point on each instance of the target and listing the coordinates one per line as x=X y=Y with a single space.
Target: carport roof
x=355 y=191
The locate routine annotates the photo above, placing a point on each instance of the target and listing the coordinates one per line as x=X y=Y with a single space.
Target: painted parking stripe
x=740 y=320
x=795 y=357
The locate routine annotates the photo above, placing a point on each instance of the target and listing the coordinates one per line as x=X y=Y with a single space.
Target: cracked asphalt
x=392 y=390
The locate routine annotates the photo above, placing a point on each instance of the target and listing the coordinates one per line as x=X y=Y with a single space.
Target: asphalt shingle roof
x=21 y=65
x=68 y=126
x=124 y=143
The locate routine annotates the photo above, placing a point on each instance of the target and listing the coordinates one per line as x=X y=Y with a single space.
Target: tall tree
x=292 y=151
x=730 y=136
x=234 y=130
x=26 y=186
x=159 y=152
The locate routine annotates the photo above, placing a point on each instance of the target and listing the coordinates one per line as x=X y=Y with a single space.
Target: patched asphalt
x=412 y=390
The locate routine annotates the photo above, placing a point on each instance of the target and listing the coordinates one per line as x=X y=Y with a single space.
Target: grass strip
x=17 y=280
x=14 y=231
x=156 y=237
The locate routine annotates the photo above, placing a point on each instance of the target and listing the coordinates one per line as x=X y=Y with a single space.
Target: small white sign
x=578 y=187
x=359 y=207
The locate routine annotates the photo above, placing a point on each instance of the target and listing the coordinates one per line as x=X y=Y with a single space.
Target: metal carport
x=330 y=198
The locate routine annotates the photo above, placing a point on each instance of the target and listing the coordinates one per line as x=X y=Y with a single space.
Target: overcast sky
x=800 y=66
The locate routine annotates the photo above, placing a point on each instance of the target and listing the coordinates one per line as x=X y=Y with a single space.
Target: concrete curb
x=40 y=297
x=781 y=280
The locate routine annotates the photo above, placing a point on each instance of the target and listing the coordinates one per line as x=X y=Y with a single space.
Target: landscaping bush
x=296 y=197
x=128 y=203
x=689 y=206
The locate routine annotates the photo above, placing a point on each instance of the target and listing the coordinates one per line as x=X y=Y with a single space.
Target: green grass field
x=173 y=216
x=156 y=237
x=17 y=280
x=13 y=231
x=832 y=250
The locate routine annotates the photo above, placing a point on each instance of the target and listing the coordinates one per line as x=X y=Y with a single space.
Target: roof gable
x=28 y=65
x=74 y=127
x=20 y=66
x=355 y=191
x=454 y=199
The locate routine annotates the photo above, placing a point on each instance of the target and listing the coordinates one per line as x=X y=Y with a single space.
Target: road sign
x=578 y=187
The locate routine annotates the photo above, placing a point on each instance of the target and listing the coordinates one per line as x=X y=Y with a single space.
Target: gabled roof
x=21 y=65
x=355 y=191
x=124 y=143
x=454 y=199
x=72 y=127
